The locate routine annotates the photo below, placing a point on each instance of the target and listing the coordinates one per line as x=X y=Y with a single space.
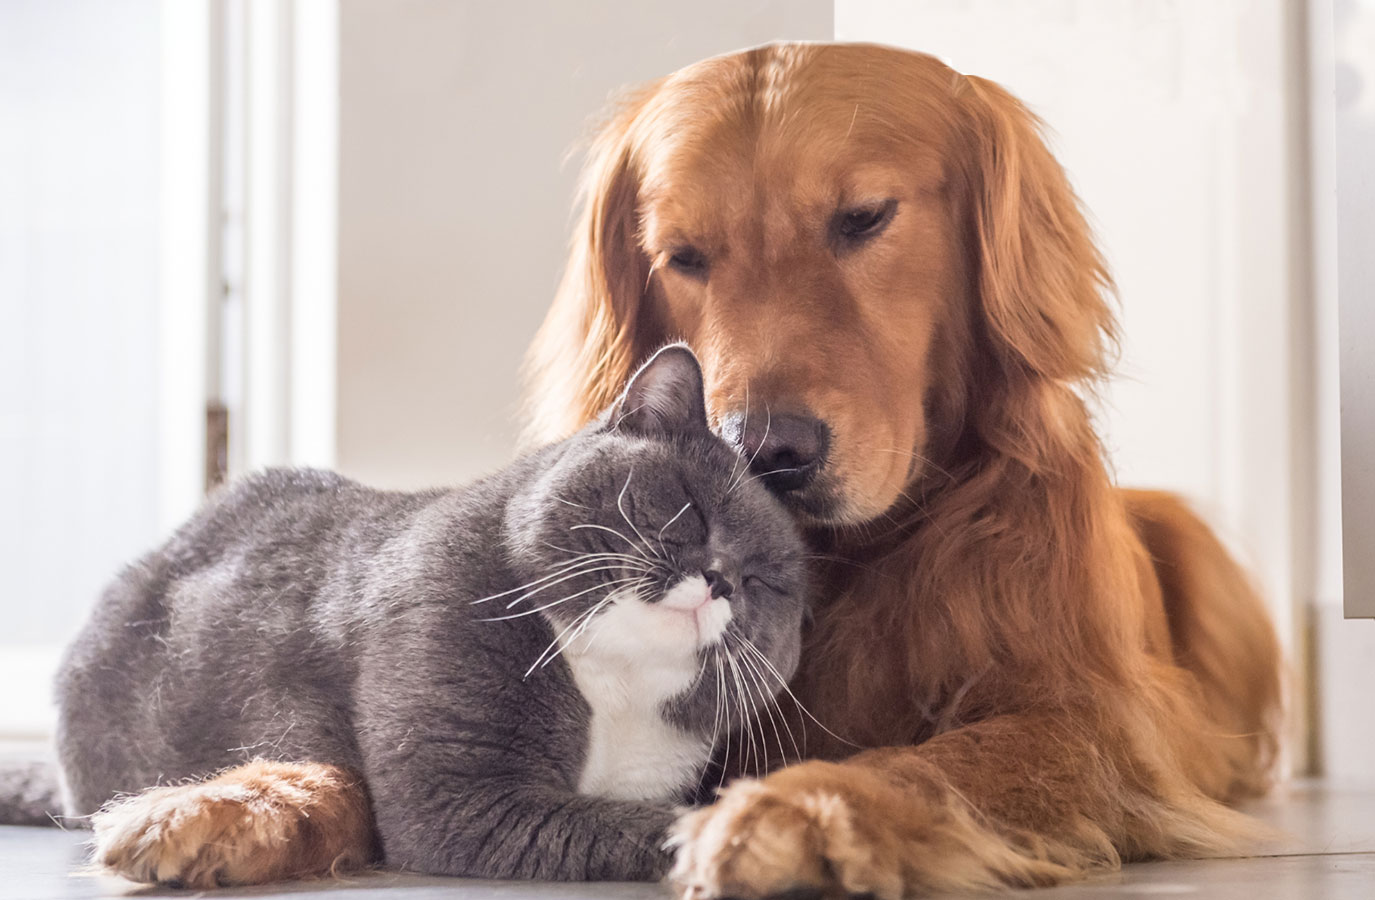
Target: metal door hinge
x=216 y=444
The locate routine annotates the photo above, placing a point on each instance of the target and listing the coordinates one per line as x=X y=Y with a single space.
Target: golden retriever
x=900 y=309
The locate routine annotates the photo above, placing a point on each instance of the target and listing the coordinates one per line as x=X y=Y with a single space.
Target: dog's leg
x=1021 y=800
x=259 y=822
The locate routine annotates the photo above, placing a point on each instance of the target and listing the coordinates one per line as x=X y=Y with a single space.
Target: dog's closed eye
x=852 y=226
x=688 y=260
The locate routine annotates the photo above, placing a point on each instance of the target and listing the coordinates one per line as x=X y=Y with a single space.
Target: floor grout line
x=1295 y=854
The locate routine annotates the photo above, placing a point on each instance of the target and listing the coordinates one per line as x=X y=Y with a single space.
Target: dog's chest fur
x=631 y=662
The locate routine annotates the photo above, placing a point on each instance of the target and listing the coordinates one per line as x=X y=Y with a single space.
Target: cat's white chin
x=631 y=661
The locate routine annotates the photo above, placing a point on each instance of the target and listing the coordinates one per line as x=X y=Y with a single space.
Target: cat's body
x=414 y=639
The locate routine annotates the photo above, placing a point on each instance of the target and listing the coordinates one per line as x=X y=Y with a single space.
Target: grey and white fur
x=529 y=672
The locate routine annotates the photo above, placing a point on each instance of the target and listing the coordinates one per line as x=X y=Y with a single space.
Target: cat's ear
x=664 y=397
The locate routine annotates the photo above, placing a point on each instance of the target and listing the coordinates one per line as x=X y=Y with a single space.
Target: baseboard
x=1345 y=674
x=27 y=711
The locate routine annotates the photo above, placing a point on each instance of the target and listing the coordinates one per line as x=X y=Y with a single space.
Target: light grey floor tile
x=1320 y=817
x=1329 y=853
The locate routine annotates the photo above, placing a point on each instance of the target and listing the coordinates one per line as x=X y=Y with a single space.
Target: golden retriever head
x=876 y=258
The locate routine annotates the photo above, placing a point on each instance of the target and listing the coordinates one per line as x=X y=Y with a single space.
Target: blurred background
x=236 y=233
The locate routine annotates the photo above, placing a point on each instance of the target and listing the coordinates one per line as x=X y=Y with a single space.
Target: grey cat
x=528 y=672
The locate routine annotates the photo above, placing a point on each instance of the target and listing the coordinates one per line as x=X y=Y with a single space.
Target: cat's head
x=648 y=539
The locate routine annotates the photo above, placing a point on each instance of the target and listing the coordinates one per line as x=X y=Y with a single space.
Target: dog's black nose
x=785 y=450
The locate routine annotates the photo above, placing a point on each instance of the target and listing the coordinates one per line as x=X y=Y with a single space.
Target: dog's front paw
x=260 y=822
x=759 y=840
x=198 y=835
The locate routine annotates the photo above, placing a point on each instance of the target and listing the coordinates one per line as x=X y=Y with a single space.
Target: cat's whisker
x=759 y=700
x=663 y=551
x=610 y=598
x=611 y=554
x=561 y=600
x=725 y=709
x=766 y=705
x=732 y=706
x=768 y=423
x=686 y=507
x=659 y=539
x=756 y=477
x=637 y=559
x=701 y=670
x=748 y=712
x=792 y=738
x=588 y=569
x=620 y=506
x=773 y=673
x=747 y=752
x=761 y=765
x=783 y=717
x=645 y=563
x=615 y=567
x=750 y=753
x=749 y=645
x=560 y=571
x=634 y=589
x=768 y=700
x=578 y=623
x=633 y=545
x=716 y=717
x=563 y=568
x=577 y=552
x=743 y=427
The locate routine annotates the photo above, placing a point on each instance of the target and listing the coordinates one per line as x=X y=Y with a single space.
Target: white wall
x=454 y=208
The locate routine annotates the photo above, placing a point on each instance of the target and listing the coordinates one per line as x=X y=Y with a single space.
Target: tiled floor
x=1330 y=855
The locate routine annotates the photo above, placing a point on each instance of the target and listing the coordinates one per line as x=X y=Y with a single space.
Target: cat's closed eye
x=758 y=581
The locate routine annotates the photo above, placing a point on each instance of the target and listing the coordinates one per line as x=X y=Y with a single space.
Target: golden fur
x=1065 y=674
x=1062 y=675
x=259 y=822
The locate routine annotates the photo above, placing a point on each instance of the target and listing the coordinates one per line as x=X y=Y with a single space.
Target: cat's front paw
x=257 y=823
x=761 y=839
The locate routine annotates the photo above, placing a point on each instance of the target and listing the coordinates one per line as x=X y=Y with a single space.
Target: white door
x=1353 y=83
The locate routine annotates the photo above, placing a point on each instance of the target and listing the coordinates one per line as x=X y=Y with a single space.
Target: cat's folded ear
x=664 y=397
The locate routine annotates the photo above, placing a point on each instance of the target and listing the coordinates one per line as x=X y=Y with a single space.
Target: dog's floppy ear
x=587 y=345
x=665 y=396
x=1042 y=281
